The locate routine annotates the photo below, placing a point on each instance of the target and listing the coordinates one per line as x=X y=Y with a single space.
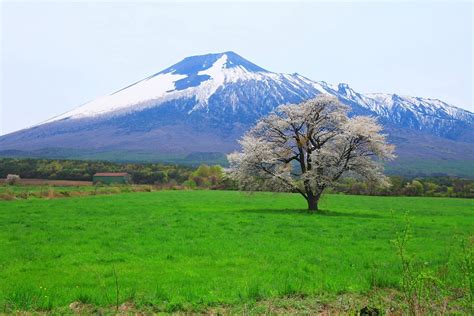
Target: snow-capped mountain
x=201 y=78
x=204 y=103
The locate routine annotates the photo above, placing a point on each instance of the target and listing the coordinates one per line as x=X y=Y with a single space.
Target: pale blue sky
x=56 y=55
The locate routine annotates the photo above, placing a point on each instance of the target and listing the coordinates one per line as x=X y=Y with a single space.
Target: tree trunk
x=312 y=197
x=313 y=202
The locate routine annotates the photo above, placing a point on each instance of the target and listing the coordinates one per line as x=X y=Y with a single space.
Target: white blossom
x=307 y=147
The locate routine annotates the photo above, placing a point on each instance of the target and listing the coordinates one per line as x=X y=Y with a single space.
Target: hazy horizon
x=56 y=56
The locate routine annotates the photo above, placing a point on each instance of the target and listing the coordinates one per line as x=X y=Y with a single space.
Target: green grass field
x=198 y=250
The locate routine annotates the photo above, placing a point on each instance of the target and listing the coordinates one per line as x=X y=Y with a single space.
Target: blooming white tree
x=307 y=147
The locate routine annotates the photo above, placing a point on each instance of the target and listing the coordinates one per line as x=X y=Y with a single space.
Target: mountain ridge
x=205 y=103
x=194 y=71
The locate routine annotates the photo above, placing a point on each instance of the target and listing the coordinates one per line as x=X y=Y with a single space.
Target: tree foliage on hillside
x=441 y=186
x=207 y=177
x=212 y=177
x=152 y=173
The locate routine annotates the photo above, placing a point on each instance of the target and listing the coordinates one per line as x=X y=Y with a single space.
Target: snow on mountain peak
x=194 y=64
x=200 y=77
x=195 y=76
x=344 y=89
x=343 y=86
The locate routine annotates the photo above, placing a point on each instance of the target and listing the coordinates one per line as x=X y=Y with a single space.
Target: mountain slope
x=204 y=103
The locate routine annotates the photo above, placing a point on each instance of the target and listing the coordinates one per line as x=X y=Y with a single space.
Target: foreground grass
x=197 y=250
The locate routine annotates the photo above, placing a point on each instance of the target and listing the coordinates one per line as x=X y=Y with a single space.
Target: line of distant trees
x=212 y=177
x=149 y=173
x=442 y=186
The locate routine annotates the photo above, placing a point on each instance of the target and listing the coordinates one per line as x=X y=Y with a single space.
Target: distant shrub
x=206 y=177
x=23 y=195
x=126 y=189
x=7 y=196
x=142 y=188
x=115 y=190
x=190 y=184
x=148 y=188
x=51 y=193
x=65 y=193
x=414 y=188
x=78 y=193
x=136 y=188
x=158 y=187
x=12 y=179
x=109 y=190
x=177 y=187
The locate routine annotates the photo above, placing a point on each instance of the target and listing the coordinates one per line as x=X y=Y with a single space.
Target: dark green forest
x=213 y=177
x=149 y=173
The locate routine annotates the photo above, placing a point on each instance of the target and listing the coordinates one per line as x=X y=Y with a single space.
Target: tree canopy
x=308 y=147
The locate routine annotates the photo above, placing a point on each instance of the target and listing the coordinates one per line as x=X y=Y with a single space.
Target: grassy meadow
x=230 y=251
